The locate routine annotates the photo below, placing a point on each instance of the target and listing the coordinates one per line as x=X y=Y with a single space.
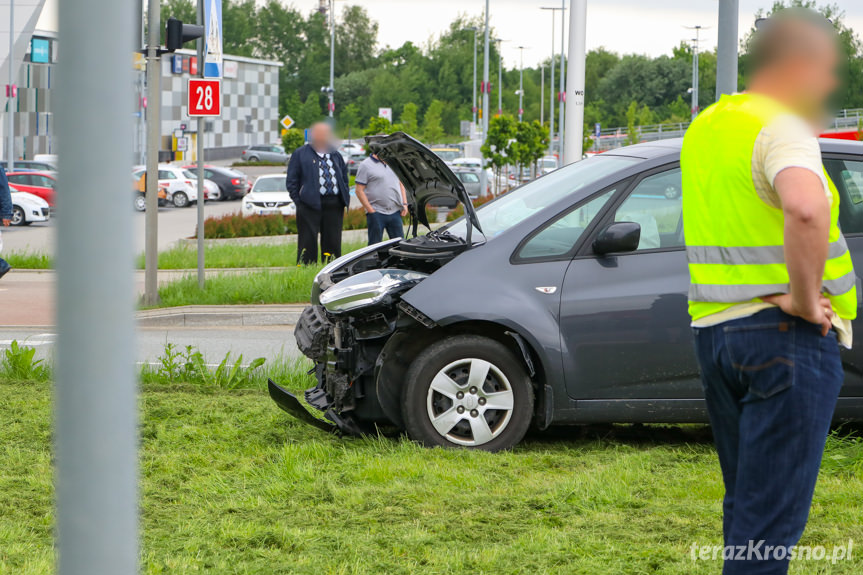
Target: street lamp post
x=474 y=29
x=573 y=151
x=553 y=10
x=485 y=94
x=332 y=90
x=10 y=93
x=542 y=94
x=499 y=78
x=696 y=42
x=521 y=84
x=726 y=50
x=561 y=96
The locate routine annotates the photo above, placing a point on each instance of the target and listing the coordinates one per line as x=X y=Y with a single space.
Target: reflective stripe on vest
x=751 y=254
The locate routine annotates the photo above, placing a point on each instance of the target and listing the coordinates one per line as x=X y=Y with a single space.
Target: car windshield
x=514 y=207
x=270 y=185
x=447 y=155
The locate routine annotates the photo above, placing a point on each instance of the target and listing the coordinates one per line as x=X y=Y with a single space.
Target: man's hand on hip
x=820 y=313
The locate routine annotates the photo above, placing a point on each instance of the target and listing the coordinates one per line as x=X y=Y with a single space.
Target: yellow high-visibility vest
x=734 y=240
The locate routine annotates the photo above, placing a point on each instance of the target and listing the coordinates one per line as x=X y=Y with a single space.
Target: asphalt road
x=252 y=342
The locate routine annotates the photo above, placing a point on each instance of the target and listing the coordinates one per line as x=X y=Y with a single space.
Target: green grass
x=233 y=256
x=260 y=287
x=27 y=260
x=232 y=485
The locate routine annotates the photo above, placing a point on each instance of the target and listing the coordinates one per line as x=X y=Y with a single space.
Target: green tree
x=432 y=130
x=310 y=112
x=293 y=139
x=498 y=146
x=632 y=136
x=378 y=125
x=349 y=120
x=409 y=119
x=531 y=142
x=356 y=40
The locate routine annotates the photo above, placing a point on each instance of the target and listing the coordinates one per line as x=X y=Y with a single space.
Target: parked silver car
x=265 y=154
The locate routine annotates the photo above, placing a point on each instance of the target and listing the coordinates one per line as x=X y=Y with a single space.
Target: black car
x=564 y=302
x=233 y=184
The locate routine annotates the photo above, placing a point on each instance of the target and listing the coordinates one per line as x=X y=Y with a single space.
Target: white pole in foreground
x=94 y=402
x=726 y=50
x=154 y=103
x=575 y=81
x=10 y=99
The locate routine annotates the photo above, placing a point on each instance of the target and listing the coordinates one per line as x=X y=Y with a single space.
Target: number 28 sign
x=205 y=97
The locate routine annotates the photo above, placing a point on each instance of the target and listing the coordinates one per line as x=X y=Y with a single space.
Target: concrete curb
x=221 y=316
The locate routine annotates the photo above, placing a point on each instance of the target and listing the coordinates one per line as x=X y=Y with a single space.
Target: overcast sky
x=642 y=26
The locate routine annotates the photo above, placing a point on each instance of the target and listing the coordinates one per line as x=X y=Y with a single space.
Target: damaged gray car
x=561 y=302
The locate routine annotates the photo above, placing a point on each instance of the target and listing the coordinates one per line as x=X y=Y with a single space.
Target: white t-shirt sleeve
x=788 y=142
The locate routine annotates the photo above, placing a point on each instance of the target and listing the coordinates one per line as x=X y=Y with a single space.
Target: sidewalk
x=28 y=297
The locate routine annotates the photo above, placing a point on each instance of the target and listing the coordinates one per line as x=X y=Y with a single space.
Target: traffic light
x=179 y=33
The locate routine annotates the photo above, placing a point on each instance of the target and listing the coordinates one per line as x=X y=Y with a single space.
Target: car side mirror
x=617 y=237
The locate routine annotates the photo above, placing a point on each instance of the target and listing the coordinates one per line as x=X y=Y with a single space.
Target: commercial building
x=250 y=88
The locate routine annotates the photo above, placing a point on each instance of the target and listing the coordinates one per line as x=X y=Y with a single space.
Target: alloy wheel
x=470 y=402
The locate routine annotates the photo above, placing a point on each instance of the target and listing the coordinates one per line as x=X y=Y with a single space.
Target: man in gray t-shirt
x=383 y=197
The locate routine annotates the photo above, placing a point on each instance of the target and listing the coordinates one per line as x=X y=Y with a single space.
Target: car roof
x=671 y=148
x=269 y=176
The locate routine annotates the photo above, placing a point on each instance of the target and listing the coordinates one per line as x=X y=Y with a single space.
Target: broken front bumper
x=289 y=403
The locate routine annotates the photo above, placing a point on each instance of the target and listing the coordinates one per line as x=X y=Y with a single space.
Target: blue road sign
x=213 y=39
x=597 y=129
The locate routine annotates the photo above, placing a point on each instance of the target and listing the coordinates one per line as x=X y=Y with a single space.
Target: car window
x=166 y=175
x=560 y=236
x=468 y=177
x=17 y=179
x=848 y=177
x=189 y=175
x=514 y=207
x=655 y=205
x=44 y=181
x=270 y=185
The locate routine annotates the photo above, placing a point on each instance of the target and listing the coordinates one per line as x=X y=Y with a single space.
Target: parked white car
x=269 y=196
x=28 y=208
x=180 y=184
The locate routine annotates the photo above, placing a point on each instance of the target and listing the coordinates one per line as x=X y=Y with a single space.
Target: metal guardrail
x=612 y=138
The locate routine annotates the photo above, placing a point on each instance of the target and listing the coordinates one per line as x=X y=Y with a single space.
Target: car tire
x=253 y=159
x=19 y=217
x=140 y=202
x=442 y=407
x=180 y=200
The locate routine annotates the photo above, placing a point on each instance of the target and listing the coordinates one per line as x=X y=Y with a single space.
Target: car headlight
x=248 y=206
x=368 y=288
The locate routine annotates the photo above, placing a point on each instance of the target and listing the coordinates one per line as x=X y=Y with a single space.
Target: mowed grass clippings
x=230 y=484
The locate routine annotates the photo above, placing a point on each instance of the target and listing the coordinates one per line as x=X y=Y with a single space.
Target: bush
x=459 y=211
x=236 y=226
x=293 y=139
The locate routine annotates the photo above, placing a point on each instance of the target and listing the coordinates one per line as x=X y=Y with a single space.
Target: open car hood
x=424 y=175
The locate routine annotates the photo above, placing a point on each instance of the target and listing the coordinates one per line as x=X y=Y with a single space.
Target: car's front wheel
x=140 y=202
x=180 y=200
x=467 y=391
x=19 y=218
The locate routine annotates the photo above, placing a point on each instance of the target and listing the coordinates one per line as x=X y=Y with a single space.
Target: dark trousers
x=378 y=222
x=326 y=222
x=771 y=382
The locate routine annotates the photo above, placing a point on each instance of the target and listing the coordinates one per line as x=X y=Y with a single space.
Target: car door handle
x=548 y=290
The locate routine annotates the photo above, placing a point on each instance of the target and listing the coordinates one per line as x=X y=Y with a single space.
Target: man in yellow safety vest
x=773 y=289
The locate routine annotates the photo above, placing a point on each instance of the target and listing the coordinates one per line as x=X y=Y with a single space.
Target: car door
x=624 y=321
x=847 y=173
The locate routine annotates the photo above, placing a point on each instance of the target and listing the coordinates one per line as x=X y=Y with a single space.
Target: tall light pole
x=561 y=96
x=154 y=103
x=726 y=51
x=331 y=91
x=521 y=84
x=474 y=29
x=483 y=176
x=10 y=93
x=695 y=46
x=542 y=94
x=553 y=11
x=499 y=78
x=576 y=88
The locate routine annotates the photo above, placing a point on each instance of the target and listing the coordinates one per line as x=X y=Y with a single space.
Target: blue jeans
x=378 y=222
x=771 y=382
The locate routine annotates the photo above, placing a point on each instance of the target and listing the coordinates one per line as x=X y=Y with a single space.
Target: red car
x=36 y=183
